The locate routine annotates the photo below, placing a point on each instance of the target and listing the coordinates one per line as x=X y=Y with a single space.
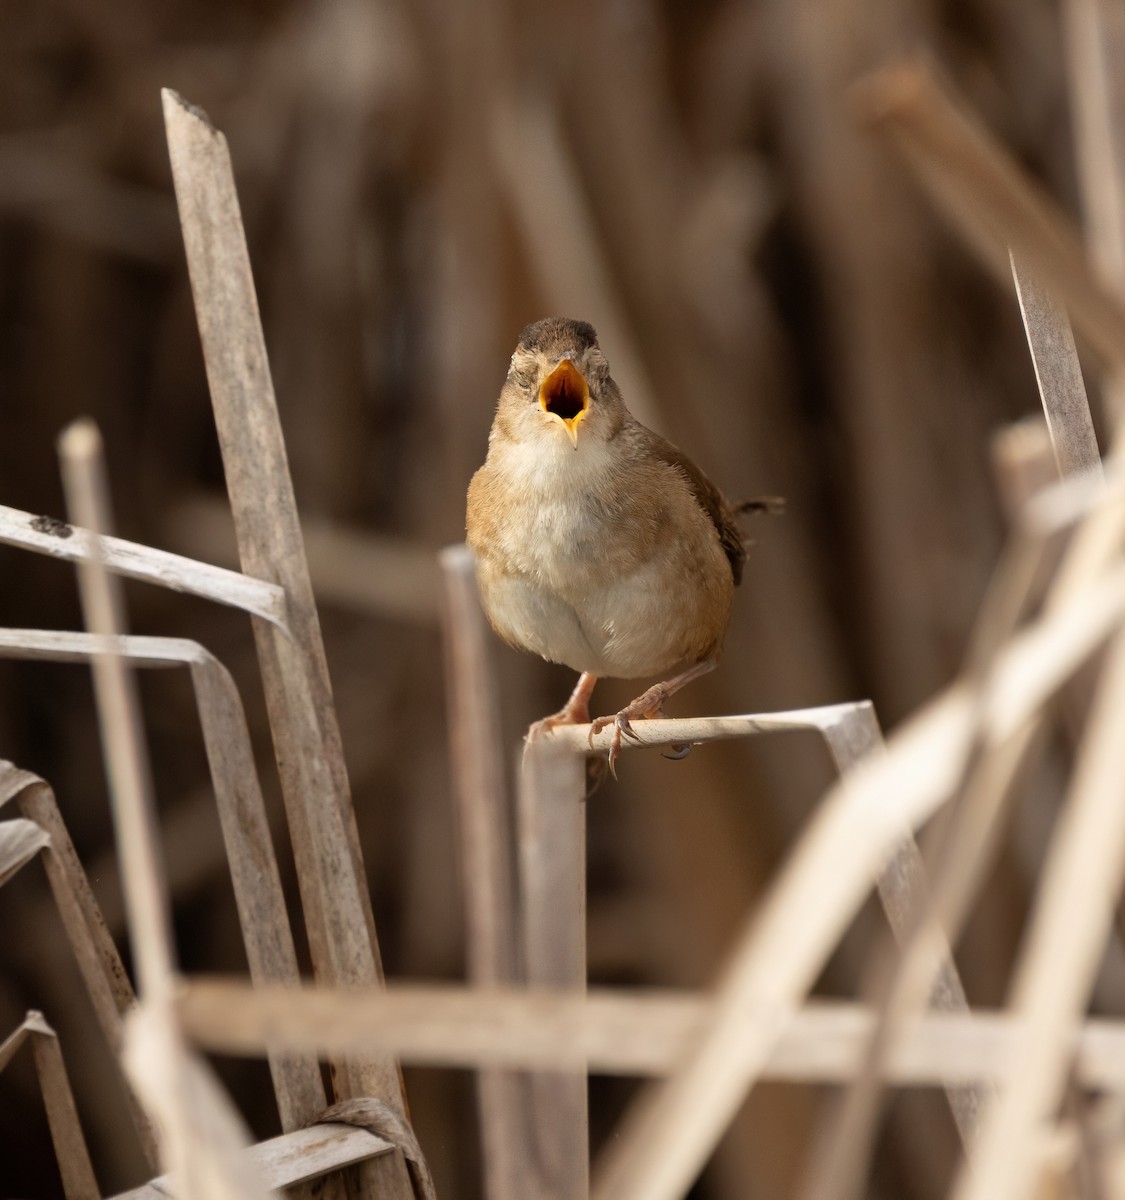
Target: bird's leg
x=648 y=704
x=576 y=711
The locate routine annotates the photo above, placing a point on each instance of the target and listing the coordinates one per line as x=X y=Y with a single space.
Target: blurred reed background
x=418 y=181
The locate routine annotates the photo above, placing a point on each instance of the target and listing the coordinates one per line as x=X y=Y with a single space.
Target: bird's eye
x=521 y=372
x=596 y=364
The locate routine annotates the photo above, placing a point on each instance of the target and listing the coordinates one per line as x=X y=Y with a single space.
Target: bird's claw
x=572 y=713
x=678 y=752
x=622 y=727
x=622 y=723
x=536 y=728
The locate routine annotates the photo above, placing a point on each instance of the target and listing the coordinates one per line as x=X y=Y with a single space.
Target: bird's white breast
x=572 y=588
x=559 y=532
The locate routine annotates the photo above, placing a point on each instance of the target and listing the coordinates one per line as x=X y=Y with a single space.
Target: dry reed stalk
x=990 y=200
x=249 y=846
x=485 y=827
x=103 y=973
x=842 y=1169
x=1093 y=550
x=1072 y=918
x=78 y=1180
x=269 y=537
x=199 y=1131
x=1009 y=594
x=1072 y=438
x=98 y=960
x=1038 y=509
x=696 y=731
x=615 y=1031
x=269 y=942
x=851 y=733
x=1094 y=40
x=45 y=535
x=202 y=1137
x=20 y=841
x=352 y=568
x=479 y=778
x=1062 y=504
x=966 y=849
x=1093 y=502
x=130 y=777
x=300 y=1156
x=1058 y=374
x=973 y=827
x=1094 y=34
x=1048 y=649
x=303 y=721
x=839 y=1161
x=551 y=817
x=902 y=886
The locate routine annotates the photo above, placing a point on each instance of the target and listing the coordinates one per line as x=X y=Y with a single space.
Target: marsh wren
x=599 y=544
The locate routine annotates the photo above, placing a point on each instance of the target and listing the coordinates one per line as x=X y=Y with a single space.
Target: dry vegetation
x=817 y=265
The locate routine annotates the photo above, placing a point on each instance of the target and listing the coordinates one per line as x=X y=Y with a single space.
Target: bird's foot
x=621 y=727
x=576 y=711
x=645 y=707
x=565 y=716
x=648 y=705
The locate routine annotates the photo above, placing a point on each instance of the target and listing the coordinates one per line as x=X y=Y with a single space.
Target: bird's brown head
x=559 y=383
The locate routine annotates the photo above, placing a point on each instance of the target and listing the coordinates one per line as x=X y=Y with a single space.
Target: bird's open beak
x=565 y=396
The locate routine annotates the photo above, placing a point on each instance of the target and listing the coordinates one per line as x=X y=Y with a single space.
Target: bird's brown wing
x=710 y=499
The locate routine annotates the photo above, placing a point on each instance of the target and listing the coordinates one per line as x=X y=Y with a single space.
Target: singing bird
x=599 y=544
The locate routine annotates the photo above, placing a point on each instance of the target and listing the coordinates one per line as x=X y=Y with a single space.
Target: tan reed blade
x=334 y=896
x=199 y=1130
